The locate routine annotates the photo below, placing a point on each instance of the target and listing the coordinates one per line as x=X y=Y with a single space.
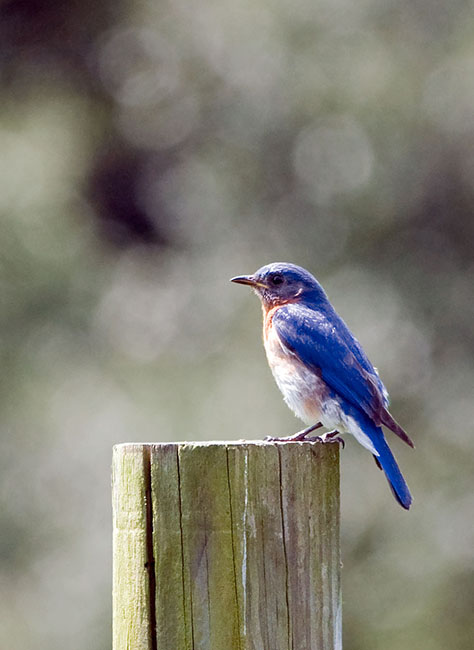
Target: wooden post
x=226 y=546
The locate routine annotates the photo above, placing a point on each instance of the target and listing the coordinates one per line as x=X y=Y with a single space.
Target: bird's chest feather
x=302 y=389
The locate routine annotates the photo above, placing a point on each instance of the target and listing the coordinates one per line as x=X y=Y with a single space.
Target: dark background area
x=150 y=151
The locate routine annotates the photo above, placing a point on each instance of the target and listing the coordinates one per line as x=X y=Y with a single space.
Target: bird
x=322 y=370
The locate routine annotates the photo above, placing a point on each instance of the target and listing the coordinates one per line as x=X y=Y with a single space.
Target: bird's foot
x=299 y=436
x=332 y=436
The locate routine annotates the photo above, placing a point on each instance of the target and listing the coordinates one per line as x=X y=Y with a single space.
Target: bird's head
x=280 y=283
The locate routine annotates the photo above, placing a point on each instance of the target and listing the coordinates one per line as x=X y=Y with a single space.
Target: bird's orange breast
x=267 y=321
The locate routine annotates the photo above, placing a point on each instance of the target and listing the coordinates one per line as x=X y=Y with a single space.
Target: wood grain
x=227 y=546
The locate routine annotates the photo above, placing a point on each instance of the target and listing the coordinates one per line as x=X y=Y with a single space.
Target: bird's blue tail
x=386 y=461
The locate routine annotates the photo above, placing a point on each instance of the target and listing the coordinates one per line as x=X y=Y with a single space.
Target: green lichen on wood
x=245 y=546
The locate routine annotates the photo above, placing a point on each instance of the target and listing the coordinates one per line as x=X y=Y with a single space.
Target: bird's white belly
x=302 y=389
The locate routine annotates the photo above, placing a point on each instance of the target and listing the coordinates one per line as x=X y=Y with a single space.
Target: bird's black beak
x=248 y=279
x=244 y=279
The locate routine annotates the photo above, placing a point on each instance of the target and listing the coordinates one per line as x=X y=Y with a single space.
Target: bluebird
x=321 y=368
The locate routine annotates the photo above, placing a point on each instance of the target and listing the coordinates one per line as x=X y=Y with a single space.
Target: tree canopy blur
x=150 y=151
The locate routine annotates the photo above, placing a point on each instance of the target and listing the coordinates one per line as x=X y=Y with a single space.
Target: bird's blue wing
x=322 y=341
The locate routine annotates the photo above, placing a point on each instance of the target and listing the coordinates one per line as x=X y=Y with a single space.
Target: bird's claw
x=332 y=436
x=294 y=438
x=326 y=440
x=337 y=439
x=302 y=436
x=322 y=439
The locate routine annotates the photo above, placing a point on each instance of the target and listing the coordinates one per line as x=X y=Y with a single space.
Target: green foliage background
x=150 y=151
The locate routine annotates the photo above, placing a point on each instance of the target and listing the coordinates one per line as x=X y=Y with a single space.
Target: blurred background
x=149 y=152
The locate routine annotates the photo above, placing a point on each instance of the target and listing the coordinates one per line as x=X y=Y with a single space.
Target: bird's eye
x=277 y=279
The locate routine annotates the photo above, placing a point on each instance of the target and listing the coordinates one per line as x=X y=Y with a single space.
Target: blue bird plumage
x=320 y=367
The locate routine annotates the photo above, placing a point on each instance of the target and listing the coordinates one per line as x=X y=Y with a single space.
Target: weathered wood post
x=226 y=546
